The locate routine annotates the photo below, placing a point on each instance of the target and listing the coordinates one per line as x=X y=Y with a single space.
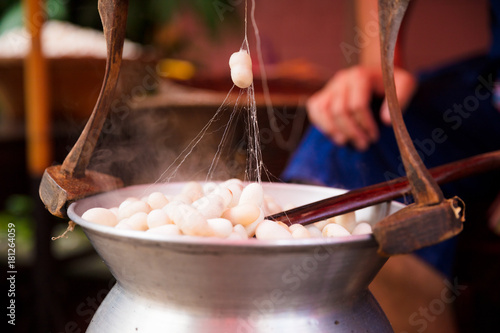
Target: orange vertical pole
x=39 y=156
x=36 y=85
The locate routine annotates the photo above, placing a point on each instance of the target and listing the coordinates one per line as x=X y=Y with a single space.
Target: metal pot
x=188 y=284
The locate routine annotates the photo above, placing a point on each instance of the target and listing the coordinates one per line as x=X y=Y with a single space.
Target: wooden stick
x=382 y=192
x=114 y=20
x=424 y=188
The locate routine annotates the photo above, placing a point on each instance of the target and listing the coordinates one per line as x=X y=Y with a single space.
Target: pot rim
x=185 y=240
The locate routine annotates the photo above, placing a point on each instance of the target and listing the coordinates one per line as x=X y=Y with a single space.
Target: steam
x=165 y=144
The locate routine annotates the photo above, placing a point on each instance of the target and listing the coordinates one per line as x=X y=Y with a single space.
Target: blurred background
x=174 y=77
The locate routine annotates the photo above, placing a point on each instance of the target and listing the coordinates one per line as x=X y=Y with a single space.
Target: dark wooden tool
x=383 y=192
x=432 y=218
x=63 y=184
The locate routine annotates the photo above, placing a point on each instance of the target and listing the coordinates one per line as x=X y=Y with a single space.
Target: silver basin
x=192 y=285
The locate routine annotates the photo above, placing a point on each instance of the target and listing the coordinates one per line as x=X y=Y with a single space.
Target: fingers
x=359 y=105
x=318 y=107
x=348 y=121
x=341 y=109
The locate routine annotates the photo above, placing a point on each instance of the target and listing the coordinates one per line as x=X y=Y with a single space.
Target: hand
x=341 y=110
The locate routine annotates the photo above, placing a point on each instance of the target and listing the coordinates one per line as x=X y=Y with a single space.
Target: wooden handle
x=114 y=19
x=424 y=188
x=62 y=184
x=440 y=218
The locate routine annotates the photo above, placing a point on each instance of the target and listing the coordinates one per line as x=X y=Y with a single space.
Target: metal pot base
x=122 y=312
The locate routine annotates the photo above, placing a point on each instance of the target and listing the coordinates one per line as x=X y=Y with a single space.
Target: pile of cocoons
x=231 y=210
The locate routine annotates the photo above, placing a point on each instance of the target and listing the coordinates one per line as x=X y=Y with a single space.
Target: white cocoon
x=335 y=230
x=100 y=216
x=271 y=230
x=240 y=64
x=362 y=228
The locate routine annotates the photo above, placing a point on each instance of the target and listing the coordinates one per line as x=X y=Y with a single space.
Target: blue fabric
x=450 y=117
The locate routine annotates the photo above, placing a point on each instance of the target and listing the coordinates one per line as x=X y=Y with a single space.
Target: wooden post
x=37 y=93
x=39 y=156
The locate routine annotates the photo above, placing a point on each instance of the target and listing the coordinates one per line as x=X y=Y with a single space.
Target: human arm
x=341 y=110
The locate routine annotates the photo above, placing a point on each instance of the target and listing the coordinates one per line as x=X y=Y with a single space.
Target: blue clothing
x=451 y=116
